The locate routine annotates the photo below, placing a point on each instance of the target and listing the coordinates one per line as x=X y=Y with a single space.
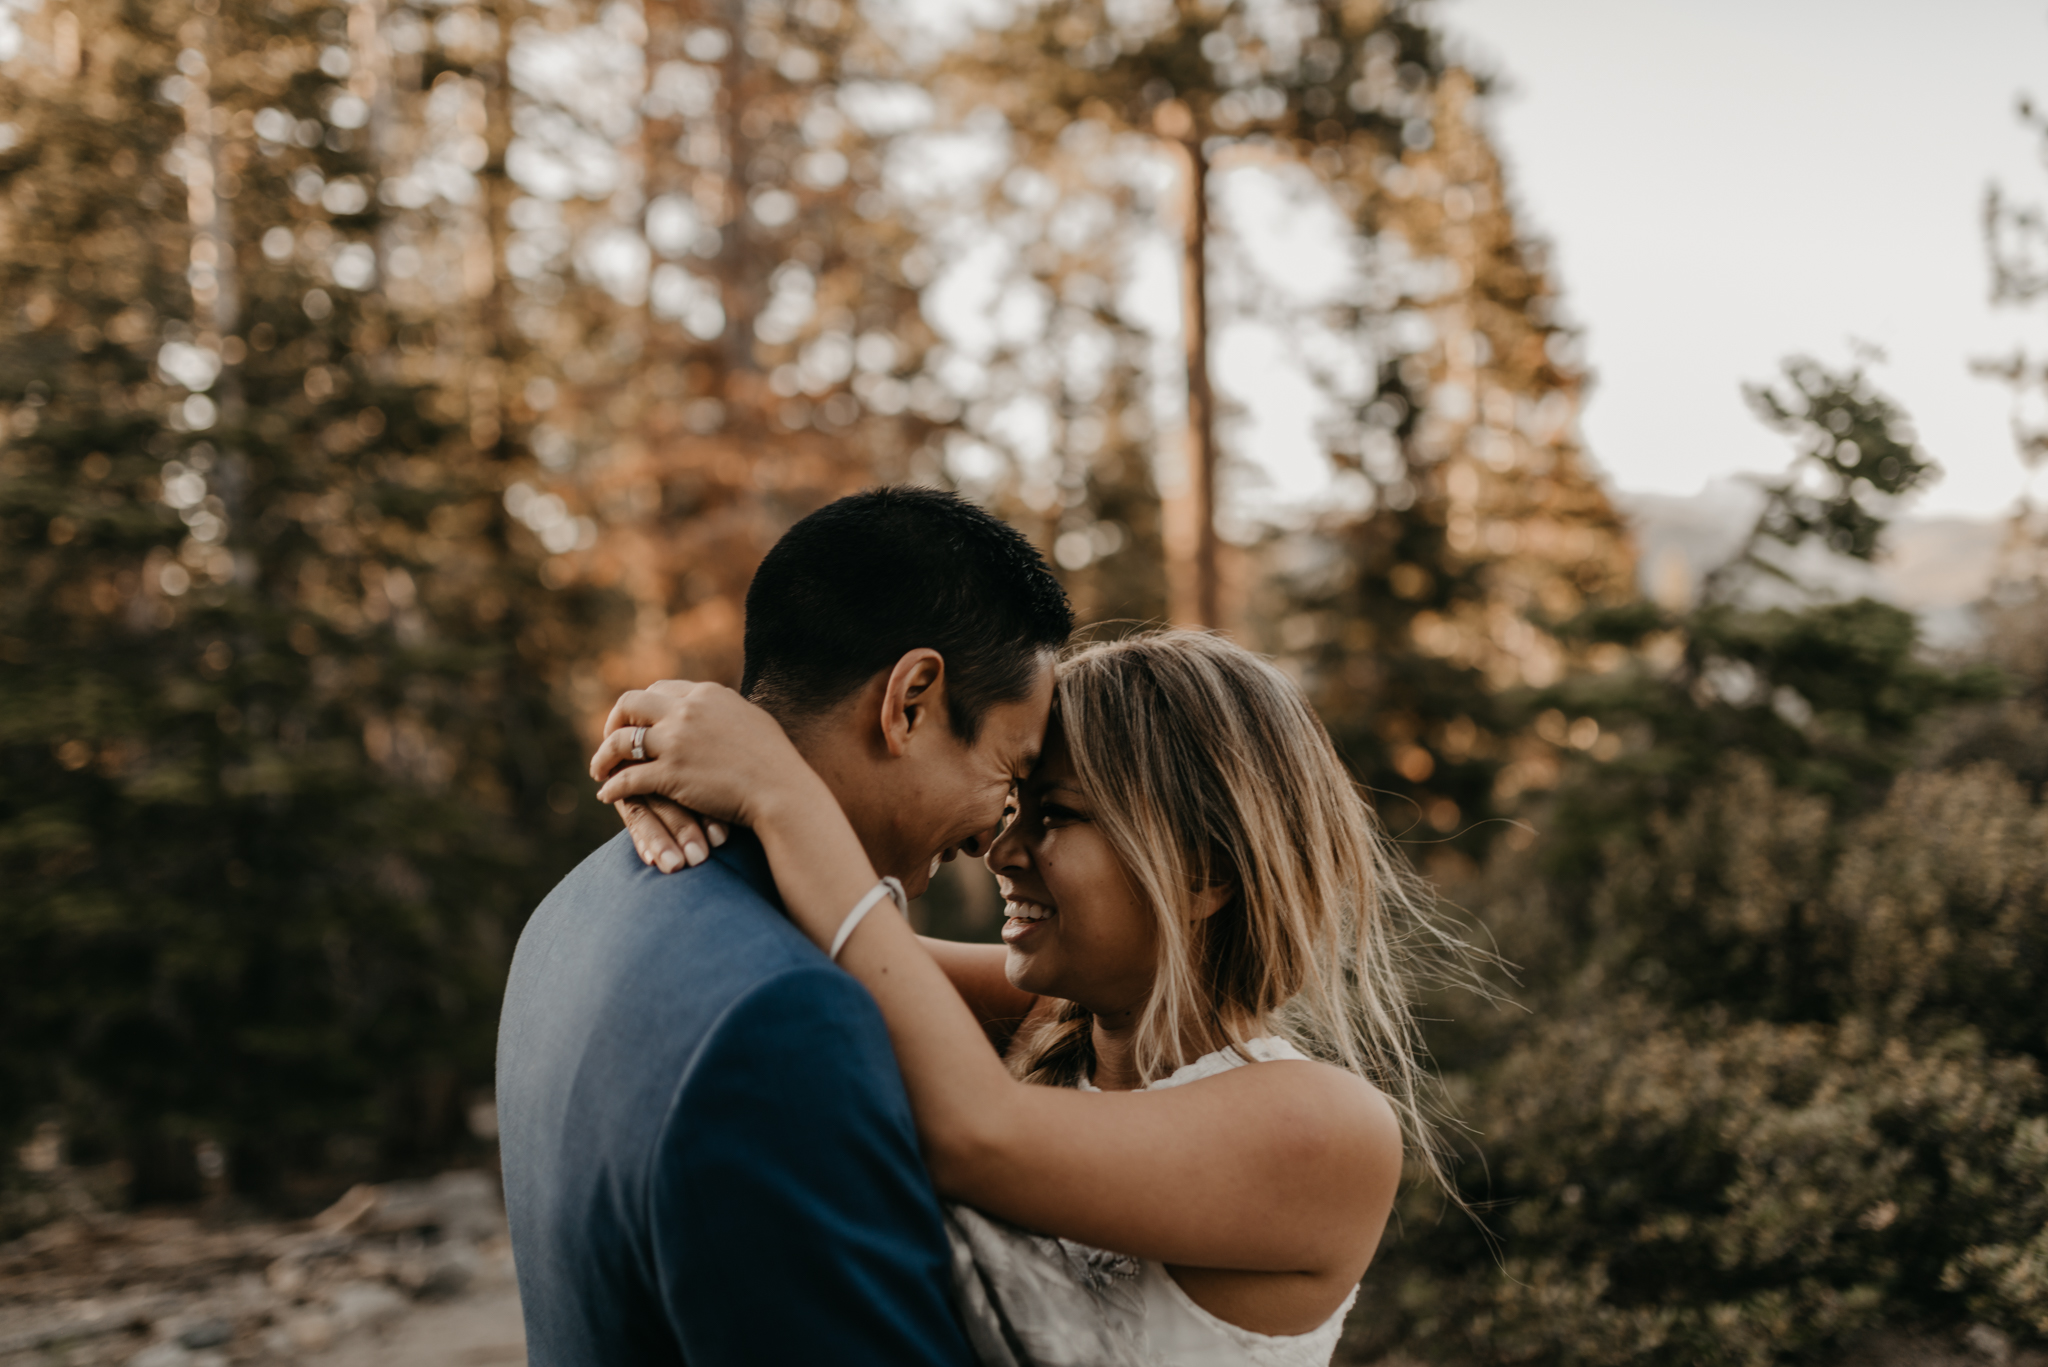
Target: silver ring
x=639 y=742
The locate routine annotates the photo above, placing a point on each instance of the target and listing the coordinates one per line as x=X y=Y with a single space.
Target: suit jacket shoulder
x=663 y=1039
x=797 y=1220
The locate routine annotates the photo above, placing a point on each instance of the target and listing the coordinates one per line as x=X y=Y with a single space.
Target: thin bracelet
x=888 y=887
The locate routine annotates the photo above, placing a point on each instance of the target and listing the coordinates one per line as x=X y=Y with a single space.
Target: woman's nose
x=1005 y=848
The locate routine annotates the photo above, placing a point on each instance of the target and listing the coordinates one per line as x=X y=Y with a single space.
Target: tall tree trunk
x=483 y=274
x=739 y=275
x=215 y=277
x=1206 y=607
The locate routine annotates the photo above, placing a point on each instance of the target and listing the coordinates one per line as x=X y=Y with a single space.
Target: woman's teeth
x=1026 y=911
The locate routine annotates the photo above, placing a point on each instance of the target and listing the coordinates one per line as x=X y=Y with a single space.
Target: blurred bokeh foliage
x=283 y=748
x=384 y=385
x=1779 y=1090
x=1791 y=1094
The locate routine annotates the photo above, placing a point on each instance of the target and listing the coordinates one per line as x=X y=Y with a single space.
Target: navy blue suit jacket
x=708 y=1154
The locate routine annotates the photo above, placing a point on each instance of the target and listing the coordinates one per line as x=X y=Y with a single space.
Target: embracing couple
x=749 y=1116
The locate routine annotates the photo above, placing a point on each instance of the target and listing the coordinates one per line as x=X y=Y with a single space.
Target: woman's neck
x=1116 y=1052
x=1116 y=1055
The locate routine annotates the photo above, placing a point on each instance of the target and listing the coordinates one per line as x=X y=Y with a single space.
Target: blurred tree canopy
x=283 y=741
x=1780 y=1085
x=384 y=385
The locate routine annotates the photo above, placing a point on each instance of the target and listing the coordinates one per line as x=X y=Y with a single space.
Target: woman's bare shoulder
x=1315 y=1106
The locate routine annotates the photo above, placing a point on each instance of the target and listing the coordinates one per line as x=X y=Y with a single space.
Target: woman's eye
x=1052 y=814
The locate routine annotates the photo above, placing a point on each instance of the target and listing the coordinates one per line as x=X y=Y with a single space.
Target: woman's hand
x=706 y=748
x=668 y=836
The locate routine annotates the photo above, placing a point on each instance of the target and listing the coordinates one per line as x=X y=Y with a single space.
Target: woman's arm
x=669 y=836
x=976 y=972
x=1295 y=1164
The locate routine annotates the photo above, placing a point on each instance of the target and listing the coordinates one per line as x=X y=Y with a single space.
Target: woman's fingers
x=647 y=707
x=629 y=703
x=651 y=839
x=683 y=827
x=704 y=746
x=644 y=706
x=631 y=781
x=615 y=750
x=668 y=836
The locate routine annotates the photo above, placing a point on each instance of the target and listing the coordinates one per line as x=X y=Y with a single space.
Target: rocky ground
x=408 y=1274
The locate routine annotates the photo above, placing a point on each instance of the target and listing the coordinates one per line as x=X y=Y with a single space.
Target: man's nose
x=977 y=845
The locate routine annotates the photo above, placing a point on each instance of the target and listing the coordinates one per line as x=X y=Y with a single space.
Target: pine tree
x=1782 y=1056
x=1051 y=398
x=720 y=333
x=285 y=765
x=1420 y=621
x=1469 y=524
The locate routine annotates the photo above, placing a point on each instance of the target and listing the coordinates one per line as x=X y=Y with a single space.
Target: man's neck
x=835 y=755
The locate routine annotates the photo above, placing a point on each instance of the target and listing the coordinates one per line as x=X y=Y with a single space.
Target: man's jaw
x=918 y=879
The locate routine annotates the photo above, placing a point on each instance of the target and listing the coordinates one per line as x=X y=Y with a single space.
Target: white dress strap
x=1264 y=1049
x=1033 y=1301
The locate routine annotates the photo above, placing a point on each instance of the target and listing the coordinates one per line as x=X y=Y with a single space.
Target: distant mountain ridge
x=1936 y=567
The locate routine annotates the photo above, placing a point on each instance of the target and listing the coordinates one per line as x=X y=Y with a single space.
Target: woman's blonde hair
x=1205 y=766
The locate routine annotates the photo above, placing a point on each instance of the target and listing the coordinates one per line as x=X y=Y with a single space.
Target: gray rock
x=462 y=1205
x=167 y=1354
x=1989 y=1344
x=358 y=1305
x=207 y=1333
x=448 y=1271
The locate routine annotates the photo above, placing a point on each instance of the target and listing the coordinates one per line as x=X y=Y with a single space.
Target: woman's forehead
x=1055 y=766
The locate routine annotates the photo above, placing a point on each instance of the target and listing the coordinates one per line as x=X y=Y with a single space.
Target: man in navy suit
x=708 y=1154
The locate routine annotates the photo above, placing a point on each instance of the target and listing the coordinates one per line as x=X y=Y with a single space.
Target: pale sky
x=1729 y=181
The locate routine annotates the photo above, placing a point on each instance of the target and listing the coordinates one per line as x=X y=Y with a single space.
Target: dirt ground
x=480 y=1328
x=404 y=1275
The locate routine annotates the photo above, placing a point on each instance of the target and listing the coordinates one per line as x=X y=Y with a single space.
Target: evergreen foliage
x=378 y=384
x=284 y=767
x=1450 y=382
x=1780 y=1086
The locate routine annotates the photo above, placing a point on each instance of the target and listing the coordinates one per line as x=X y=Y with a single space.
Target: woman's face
x=1078 y=927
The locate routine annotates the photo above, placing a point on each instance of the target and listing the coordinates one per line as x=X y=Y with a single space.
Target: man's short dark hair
x=860 y=583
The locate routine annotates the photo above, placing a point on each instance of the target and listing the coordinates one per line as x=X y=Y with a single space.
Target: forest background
x=386 y=386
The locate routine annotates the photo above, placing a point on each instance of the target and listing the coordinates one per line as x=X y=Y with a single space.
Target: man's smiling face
x=957 y=794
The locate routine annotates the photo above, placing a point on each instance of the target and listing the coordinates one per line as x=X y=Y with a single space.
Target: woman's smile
x=1026 y=916
x=1077 y=929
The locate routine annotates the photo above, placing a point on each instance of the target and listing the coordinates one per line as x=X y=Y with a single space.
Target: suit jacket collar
x=742 y=853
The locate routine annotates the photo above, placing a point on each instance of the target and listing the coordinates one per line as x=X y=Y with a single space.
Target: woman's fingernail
x=670 y=861
x=716 y=832
x=694 y=853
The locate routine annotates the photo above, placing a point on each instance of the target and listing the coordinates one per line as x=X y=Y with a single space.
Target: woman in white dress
x=1189 y=1146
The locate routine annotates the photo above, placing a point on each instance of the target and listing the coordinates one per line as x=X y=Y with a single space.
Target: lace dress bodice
x=1030 y=1300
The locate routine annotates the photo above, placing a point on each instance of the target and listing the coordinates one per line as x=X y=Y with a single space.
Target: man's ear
x=913 y=699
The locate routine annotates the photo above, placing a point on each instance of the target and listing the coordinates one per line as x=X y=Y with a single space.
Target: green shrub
x=1796 y=1093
